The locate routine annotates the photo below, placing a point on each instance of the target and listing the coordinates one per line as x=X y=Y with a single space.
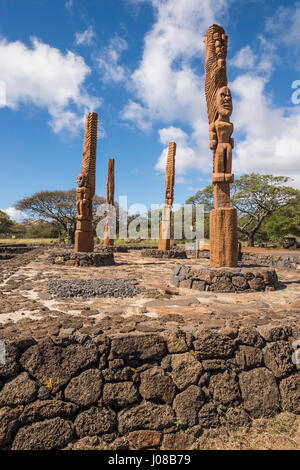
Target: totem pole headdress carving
x=215 y=67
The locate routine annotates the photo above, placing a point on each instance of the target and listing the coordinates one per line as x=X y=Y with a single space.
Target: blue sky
x=140 y=65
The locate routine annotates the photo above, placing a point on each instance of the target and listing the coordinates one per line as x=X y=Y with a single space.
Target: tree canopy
x=57 y=206
x=6 y=224
x=257 y=198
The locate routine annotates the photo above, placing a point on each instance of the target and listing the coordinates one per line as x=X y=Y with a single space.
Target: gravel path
x=92 y=288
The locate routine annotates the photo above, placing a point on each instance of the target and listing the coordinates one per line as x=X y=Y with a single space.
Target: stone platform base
x=154 y=253
x=225 y=279
x=83 y=259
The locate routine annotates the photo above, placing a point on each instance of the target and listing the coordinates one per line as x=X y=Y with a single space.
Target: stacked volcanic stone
x=83 y=259
x=92 y=288
x=143 y=391
x=291 y=261
x=225 y=279
x=154 y=253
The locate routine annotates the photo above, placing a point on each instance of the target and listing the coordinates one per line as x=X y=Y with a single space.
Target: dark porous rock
x=11 y=367
x=187 y=405
x=88 y=443
x=95 y=421
x=177 y=441
x=121 y=443
x=85 y=389
x=155 y=385
x=211 y=345
x=249 y=337
x=186 y=370
x=143 y=347
x=147 y=415
x=47 y=435
x=18 y=391
x=119 y=375
x=176 y=341
x=259 y=392
x=198 y=285
x=8 y=424
x=116 y=364
x=277 y=358
x=43 y=393
x=144 y=439
x=240 y=282
x=208 y=416
x=46 y=360
x=224 y=388
x=24 y=342
x=236 y=418
x=120 y=394
x=290 y=393
x=213 y=364
x=257 y=284
x=248 y=357
x=274 y=333
x=102 y=342
x=222 y=284
x=47 y=409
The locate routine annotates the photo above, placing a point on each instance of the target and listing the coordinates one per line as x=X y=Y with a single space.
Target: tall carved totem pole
x=84 y=240
x=223 y=218
x=110 y=197
x=165 y=225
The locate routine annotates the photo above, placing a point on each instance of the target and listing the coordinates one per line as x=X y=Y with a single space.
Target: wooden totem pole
x=165 y=225
x=223 y=218
x=110 y=197
x=84 y=240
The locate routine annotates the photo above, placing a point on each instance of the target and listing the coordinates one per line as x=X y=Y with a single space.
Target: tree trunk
x=251 y=240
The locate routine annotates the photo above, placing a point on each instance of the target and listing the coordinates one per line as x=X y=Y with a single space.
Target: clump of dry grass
x=278 y=432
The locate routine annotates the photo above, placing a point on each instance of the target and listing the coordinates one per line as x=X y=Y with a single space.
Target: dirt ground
x=26 y=306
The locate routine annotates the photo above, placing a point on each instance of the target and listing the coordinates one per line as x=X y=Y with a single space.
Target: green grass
x=29 y=241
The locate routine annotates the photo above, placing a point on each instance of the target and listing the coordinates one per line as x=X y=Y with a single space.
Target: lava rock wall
x=136 y=391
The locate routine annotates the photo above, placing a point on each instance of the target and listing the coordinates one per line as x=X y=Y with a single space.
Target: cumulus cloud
x=69 y=4
x=186 y=157
x=15 y=214
x=85 y=38
x=244 y=59
x=167 y=88
x=272 y=140
x=45 y=77
x=108 y=61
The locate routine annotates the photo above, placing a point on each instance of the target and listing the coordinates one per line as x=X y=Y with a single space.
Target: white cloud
x=69 y=4
x=86 y=37
x=15 y=214
x=272 y=142
x=45 y=77
x=285 y=24
x=168 y=90
x=108 y=61
x=166 y=86
x=186 y=157
x=244 y=59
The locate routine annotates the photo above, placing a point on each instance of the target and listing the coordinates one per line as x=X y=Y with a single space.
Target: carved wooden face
x=224 y=101
x=82 y=180
x=220 y=40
